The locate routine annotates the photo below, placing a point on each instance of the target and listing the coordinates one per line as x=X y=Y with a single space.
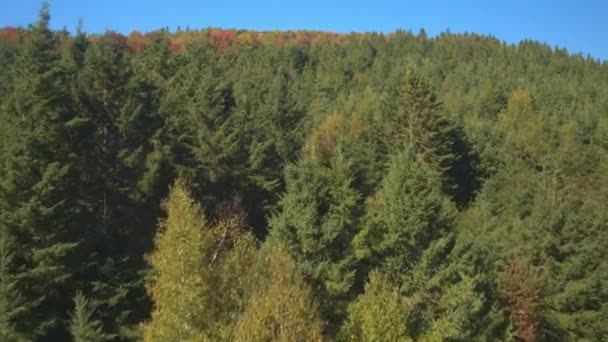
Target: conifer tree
x=83 y=326
x=111 y=136
x=407 y=233
x=12 y=305
x=415 y=120
x=408 y=216
x=37 y=211
x=316 y=222
x=418 y=123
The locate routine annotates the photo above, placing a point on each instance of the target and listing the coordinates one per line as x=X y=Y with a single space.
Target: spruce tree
x=407 y=234
x=416 y=120
x=12 y=305
x=408 y=216
x=111 y=136
x=316 y=222
x=83 y=327
x=37 y=211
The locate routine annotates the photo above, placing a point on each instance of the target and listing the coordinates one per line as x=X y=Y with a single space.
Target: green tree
x=37 y=210
x=12 y=305
x=408 y=216
x=316 y=221
x=408 y=234
x=416 y=120
x=83 y=326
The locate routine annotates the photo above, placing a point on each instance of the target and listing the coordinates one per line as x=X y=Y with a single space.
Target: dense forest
x=227 y=185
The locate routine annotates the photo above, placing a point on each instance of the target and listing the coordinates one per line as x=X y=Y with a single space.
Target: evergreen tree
x=407 y=233
x=112 y=137
x=316 y=222
x=94 y=128
x=82 y=326
x=415 y=120
x=408 y=216
x=37 y=211
x=12 y=305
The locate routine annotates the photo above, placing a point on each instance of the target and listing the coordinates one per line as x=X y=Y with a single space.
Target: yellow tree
x=182 y=285
x=380 y=314
x=281 y=309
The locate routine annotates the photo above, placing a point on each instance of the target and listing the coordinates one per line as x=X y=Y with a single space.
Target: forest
x=234 y=185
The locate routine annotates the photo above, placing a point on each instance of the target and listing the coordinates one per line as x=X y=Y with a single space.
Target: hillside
x=296 y=186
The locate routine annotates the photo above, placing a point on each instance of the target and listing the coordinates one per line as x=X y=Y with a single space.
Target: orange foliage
x=10 y=34
x=303 y=39
x=222 y=39
x=137 y=41
x=248 y=39
x=119 y=39
x=179 y=40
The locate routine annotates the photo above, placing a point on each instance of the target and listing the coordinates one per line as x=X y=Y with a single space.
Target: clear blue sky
x=579 y=26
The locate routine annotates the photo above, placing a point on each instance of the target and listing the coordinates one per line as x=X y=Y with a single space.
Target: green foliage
x=83 y=326
x=404 y=219
x=316 y=222
x=37 y=180
x=452 y=188
x=12 y=305
x=380 y=314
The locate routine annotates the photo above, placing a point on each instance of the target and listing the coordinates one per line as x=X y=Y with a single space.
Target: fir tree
x=405 y=218
x=316 y=222
x=83 y=326
x=12 y=305
x=36 y=208
x=416 y=120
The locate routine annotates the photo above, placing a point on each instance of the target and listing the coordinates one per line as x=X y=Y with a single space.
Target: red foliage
x=176 y=46
x=10 y=34
x=331 y=36
x=223 y=39
x=119 y=39
x=521 y=291
x=303 y=40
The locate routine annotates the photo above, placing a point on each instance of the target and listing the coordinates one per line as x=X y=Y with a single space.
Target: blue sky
x=579 y=26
